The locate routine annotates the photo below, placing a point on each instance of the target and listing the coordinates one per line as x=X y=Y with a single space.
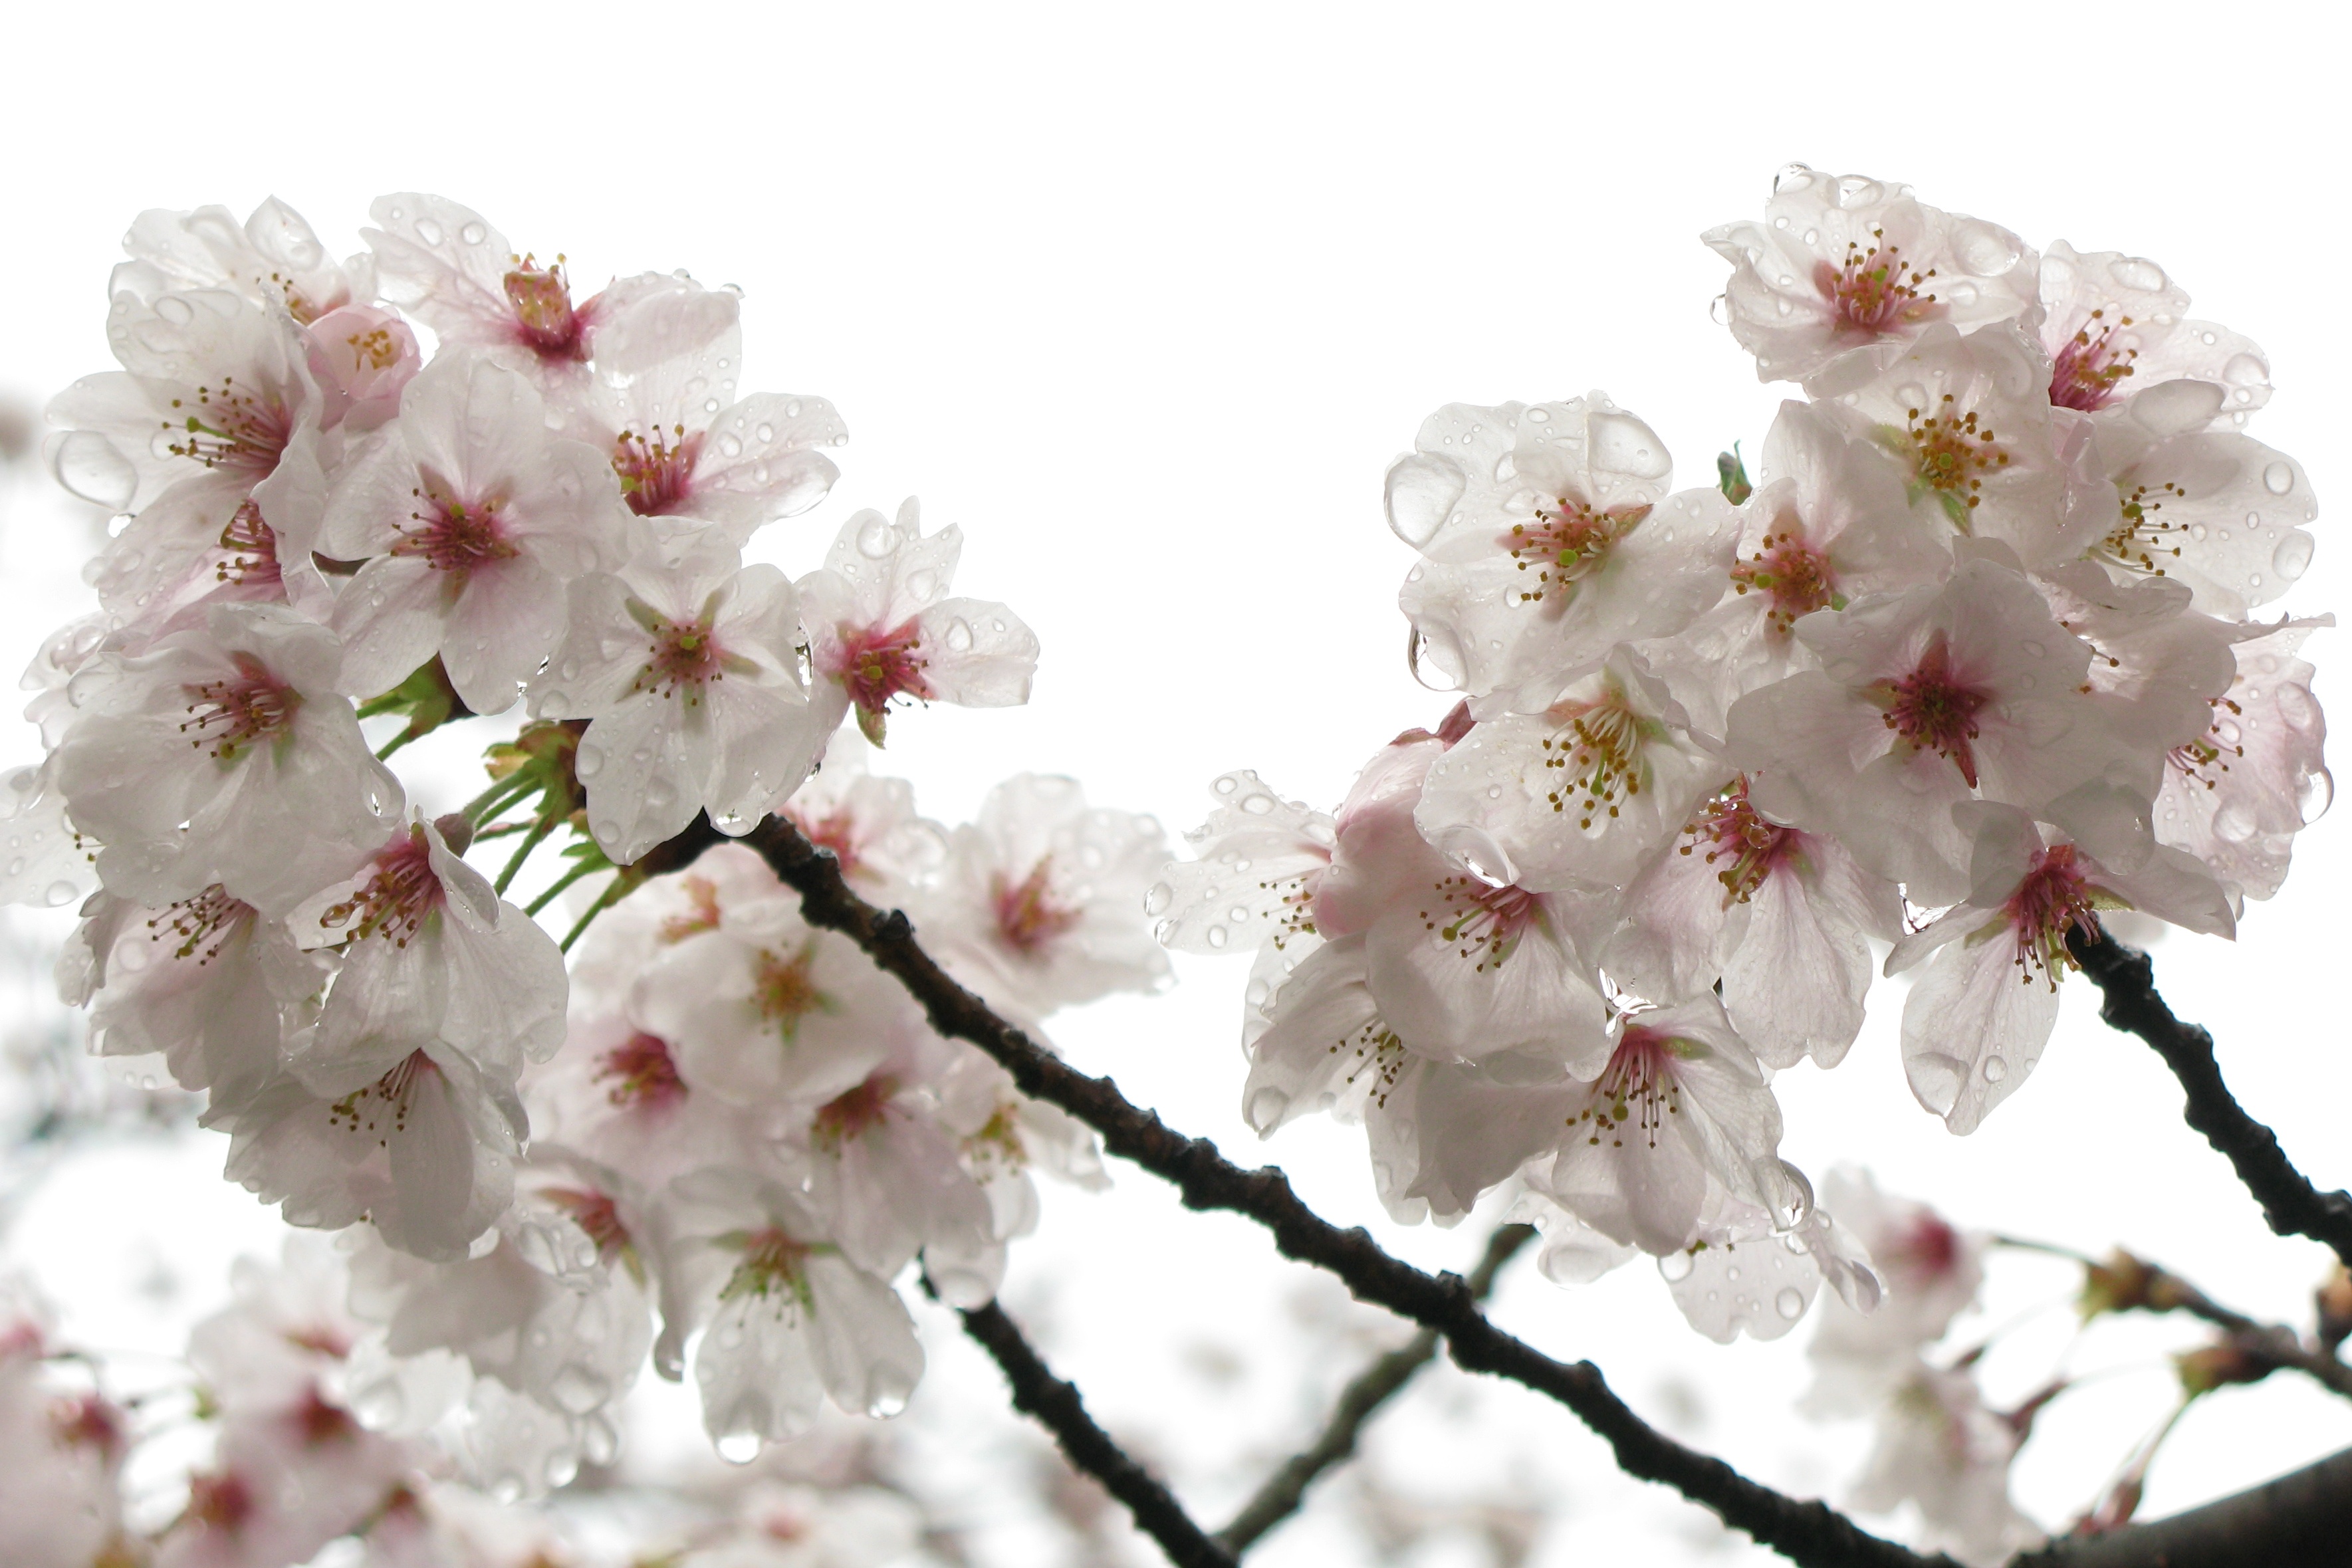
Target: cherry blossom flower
x=1779 y=919
x=215 y=407
x=689 y=455
x=559 y=1310
x=282 y=797
x=691 y=673
x=1672 y=1105
x=42 y=860
x=471 y=518
x=1575 y=792
x=867 y=822
x=443 y=264
x=886 y=1170
x=880 y=629
x=274 y=258
x=1925 y=699
x=1940 y=1449
x=425 y=1152
x=206 y=982
x=2236 y=794
x=1828 y=525
x=61 y=1453
x=1257 y=863
x=2114 y=326
x=1931 y=1271
x=1548 y=537
x=764 y=1010
x=1440 y=1135
x=1464 y=967
x=1040 y=905
x=1747 y=1280
x=1966 y=422
x=362 y=357
x=1976 y=1022
x=790 y=1319
x=431 y=959
x=2215 y=510
x=1842 y=271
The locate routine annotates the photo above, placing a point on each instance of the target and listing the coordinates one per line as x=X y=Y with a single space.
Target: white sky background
x=1146 y=300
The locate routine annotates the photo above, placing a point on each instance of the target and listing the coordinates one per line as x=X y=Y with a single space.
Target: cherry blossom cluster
x=1971 y=664
x=285 y=1377
x=724 y=1124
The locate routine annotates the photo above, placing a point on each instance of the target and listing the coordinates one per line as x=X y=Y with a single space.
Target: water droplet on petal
x=2278 y=479
x=1676 y=1267
x=739 y=1448
x=2293 y=556
x=1995 y=1069
x=1789 y=1303
x=472 y=234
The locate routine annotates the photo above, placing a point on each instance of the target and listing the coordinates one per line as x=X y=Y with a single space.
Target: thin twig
x=2126 y=1283
x=1286 y=1490
x=1809 y=1532
x=2290 y=1205
x=1056 y=1406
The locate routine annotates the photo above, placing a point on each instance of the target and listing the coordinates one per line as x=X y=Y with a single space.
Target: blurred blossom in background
x=1147 y=301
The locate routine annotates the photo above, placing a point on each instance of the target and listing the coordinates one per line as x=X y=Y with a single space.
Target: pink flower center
x=701 y=912
x=1480 y=921
x=597 y=1215
x=250 y=553
x=836 y=830
x=319 y=1423
x=685 y=657
x=201 y=927
x=2054 y=898
x=381 y=1108
x=219 y=1501
x=87 y=1421
x=784 y=989
x=233 y=428
x=452 y=534
x=876 y=663
x=1874 y=292
x=1796 y=576
x=642 y=1073
x=2088 y=370
x=1597 y=751
x=849 y=1116
x=656 y=478
x=230 y=716
x=1029 y=914
x=1748 y=848
x=1638 y=1086
x=1928 y=1248
x=1566 y=543
x=773 y=1264
x=1933 y=708
x=545 y=322
x=1950 y=452
x=397 y=897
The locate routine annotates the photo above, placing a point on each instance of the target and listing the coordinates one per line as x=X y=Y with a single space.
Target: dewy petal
x=1974 y=1027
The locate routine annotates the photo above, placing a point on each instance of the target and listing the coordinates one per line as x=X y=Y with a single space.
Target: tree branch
x=2303 y=1517
x=1809 y=1532
x=2290 y=1205
x=1056 y=1406
x=1286 y=1490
